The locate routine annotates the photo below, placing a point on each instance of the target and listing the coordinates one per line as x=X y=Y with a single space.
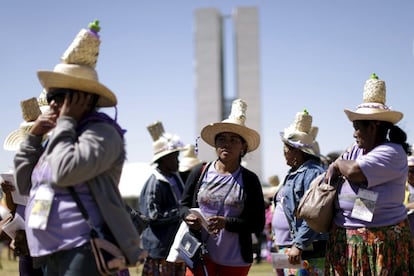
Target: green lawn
x=10 y=267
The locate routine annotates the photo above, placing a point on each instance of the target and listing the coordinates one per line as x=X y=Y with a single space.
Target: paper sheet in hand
x=17 y=198
x=280 y=260
x=12 y=226
x=197 y=212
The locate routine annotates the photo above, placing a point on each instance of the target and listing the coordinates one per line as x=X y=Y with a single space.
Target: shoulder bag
x=318 y=203
x=108 y=256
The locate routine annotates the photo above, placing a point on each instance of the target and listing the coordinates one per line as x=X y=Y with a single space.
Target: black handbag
x=191 y=249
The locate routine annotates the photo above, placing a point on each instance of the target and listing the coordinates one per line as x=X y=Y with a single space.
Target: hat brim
x=309 y=149
x=164 y=153
x=187 y=163
x=50 y=79
x=16 y=137
x=375 y=114
x=252 y=138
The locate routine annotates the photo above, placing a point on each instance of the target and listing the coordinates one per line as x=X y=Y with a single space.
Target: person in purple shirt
x=371 y=233
x=229 y=196
x=409 y=200
x=85 y=151
x=292 y=235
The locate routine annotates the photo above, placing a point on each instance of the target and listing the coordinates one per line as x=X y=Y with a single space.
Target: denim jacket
x=294 y=187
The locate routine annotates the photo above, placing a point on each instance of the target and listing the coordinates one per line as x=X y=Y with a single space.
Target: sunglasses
x=58 y=95
x=411 y=170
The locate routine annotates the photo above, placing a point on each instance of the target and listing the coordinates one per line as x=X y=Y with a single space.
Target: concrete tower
x=213 y=104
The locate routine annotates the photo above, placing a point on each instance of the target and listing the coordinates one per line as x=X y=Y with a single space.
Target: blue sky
x=314 y=54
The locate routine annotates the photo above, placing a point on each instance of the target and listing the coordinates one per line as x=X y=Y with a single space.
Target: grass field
x=10 y=267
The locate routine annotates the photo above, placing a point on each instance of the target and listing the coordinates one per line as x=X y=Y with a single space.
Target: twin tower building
x=212 y=72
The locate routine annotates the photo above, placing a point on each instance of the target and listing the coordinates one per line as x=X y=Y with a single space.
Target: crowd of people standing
x=72 y=152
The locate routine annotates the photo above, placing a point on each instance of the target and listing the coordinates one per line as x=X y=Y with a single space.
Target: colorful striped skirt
x=387 y=250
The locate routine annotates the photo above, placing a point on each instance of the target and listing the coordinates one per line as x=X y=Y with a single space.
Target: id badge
x=364 y=205
x=40 y=211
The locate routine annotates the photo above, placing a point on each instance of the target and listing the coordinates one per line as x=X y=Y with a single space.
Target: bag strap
x=82 y=209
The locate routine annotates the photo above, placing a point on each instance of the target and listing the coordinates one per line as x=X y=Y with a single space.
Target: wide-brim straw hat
x=165 y=145
x=235 y=124
x=31 y=109
x=77 y=77
x=77 y=68
x=373 y=106
x=188 y=159
x=16 y=137
x=302 y=135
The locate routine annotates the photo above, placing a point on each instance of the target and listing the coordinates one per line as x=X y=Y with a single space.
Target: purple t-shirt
x=223 y=248
x=66 y=228
x=280 y=224
x=385 y=168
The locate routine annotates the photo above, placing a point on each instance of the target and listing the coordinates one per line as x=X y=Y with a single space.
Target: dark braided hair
x=395 y=135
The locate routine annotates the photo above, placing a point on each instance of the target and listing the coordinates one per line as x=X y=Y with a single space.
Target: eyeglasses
x=58 y=95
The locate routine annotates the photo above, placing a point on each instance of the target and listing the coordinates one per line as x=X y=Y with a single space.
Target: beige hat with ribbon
x=164 y=143
x=301 y=134
x=188 y=158
x=77 y=68
x=373 y=106
x=235 y=123
x=31 y=109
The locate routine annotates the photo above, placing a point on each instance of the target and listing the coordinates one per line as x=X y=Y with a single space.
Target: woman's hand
x=216 y=223
x=43 y=124
x=332 y=172
x=294 y=255
x=76 y=105
x=7 y=187
x=193 y=222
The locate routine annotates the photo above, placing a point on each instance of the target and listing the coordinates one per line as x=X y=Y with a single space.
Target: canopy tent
x=133 y=177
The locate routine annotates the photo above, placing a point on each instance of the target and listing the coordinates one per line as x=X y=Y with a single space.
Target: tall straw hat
x=373 y=106
x=31 y=109
x=77 y=68
x=235 y=123
x=301 y=134
x=164 y=143
x=188 y=158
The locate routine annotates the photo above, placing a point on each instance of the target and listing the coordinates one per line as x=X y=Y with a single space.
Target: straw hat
x=301 y=134
x=373 y=106
x=164 y=143
x=77 y=68
x=410 y=160
x=273 y=180
x=235 y=123
x=31 y=109
x=188 y=158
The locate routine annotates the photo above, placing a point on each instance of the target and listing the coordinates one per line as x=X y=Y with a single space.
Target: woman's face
x=170 y=162
x=291 y=155
x=410 y=178
x=364 y=134
x=230 y=146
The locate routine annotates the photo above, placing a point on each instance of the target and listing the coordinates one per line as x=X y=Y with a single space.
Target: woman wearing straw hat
x=409 y=200
x=292 y=235
x=371 y=233
x=83 y=157
x=16 y=203
x=228 y=195
x=160 y=201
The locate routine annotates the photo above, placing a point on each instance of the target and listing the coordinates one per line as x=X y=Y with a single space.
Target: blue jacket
x=159 y=204
x=295 y=185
